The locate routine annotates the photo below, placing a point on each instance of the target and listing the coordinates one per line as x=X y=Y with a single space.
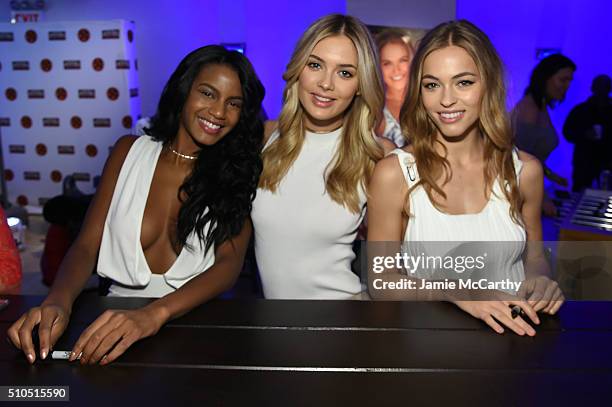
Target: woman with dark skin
x=208 y=135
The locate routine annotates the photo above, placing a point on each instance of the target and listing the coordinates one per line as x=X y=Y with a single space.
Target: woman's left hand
x=543 y=294
x=113 y=333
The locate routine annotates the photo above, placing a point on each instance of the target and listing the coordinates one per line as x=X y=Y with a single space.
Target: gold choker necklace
x=322 y=132
x=188 y=157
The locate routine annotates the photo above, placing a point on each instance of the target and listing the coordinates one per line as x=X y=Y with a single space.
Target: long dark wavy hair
x=542 y=72
x=223 y=183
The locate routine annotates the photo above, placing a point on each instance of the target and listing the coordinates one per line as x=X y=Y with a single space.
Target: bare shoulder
x=124 y=143
x=120 y=150
x=388 y=173
x=269 y=127
x=532 y=172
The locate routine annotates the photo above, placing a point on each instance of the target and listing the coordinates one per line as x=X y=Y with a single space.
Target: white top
x=492 y=224
x=303 y=239
x=121 y=256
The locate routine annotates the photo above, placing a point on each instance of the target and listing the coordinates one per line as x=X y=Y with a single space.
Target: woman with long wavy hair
x=318 y=159
x=462 y=179
x=170 y=218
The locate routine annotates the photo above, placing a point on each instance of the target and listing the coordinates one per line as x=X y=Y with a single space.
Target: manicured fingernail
x=43 y=354
x=30 y=357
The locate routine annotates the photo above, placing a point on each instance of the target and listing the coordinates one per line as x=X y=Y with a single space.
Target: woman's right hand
x=52 y=320
x=499 y=311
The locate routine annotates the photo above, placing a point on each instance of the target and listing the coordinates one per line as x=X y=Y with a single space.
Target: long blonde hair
x=494 y=122
x=358 y=150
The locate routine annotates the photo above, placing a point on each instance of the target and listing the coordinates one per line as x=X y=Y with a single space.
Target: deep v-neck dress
x=121 y=255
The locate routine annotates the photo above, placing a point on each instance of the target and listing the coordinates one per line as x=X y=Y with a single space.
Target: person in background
x=534 y=131
x=318 y=159
x=170 y=218
x=395 y=51
x=10 y=262
x=461 y=180
x=589 y=127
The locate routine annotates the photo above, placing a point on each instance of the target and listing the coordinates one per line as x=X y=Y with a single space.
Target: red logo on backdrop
x=127 y=122
x=17 y=149
x=41 y=149
x=110 y=34
x=11 y=93
x=36 y=93
x=22 y=200
x=76 y=122
x=97 y=64
x=87 y=93
x=9 y=175
x=31 y=175
x=31 y=36
x=61 y=94
x=91 y=150
x=21 y=66
x=112 y=93
x=56 y=176
x=83 y=35
x=57 y=35
x=46 y=65
x=26 y=122
x=130 y=35
x=65 y=150
x=51 y=122
x=5 y=121
x=101 y=122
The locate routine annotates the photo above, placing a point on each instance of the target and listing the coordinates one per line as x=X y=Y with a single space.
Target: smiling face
x=328 y=83
x=558 y=84
x=451 y=91
x=395 y=63
x=213 y=105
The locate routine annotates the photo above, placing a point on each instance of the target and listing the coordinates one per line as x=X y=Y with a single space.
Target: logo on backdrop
x=110 y=34
x=57 y=35
x=65 y=150
x=36 y=93
x=21 y=66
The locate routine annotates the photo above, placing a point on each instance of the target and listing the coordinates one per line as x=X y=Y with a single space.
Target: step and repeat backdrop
x=69 y=90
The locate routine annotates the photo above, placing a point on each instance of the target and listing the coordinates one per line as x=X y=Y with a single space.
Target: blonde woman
x=318 y=160
x=396 y=52
x=461 y=179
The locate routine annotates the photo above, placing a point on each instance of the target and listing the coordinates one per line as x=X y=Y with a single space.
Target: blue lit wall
x=580 y=29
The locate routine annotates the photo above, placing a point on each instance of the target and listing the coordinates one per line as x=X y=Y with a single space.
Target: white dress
x=121 y=256
x=303 y=239
x=437 y=233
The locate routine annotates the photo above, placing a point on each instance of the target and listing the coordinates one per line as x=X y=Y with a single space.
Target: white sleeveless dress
x=491 y=231
x=303 y=239
x=121 y=256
